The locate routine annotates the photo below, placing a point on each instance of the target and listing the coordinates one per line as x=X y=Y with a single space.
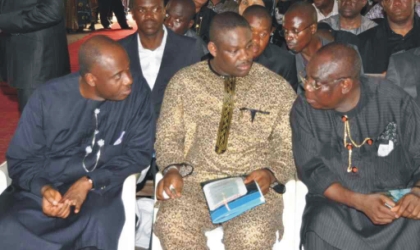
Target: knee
x=252 y=237
x=178 y=231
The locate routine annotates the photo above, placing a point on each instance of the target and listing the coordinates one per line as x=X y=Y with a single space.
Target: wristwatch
x=184 y=169
x=276 y=185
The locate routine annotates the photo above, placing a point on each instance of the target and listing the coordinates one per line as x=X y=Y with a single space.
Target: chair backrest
x=5 y=180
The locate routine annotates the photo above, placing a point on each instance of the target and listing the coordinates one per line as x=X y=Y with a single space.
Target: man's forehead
x=177 y=9
x=323 y=66
x=146 y=3
x=295 y=19
x=234 y=37
x=257 y=22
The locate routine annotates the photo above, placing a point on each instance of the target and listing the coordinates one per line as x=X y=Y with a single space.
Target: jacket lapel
x=168 y=60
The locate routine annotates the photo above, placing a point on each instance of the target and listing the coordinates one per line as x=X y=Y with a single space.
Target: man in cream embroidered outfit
x=223 y=117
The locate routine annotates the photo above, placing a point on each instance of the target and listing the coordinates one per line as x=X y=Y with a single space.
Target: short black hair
x=258 y=11
x=90 y=52
x=345 y=55
x=188 y=5
x=226 y=21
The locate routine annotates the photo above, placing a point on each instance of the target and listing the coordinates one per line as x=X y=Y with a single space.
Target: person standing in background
x=35 y=44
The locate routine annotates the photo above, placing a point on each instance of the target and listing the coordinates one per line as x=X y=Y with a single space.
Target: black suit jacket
x=403 y=70
x=179 y=52
x=280 y=61
x=35 y=48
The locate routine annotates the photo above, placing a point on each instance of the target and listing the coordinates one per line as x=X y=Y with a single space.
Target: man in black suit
x=34 y=36
x=271 y=56
x=400 y=31
x=157 y=53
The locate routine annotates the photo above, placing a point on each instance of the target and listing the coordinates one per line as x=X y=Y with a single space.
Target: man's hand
x=77 y=193
x=51 y=203
x=171 y=178
x=409 y=205
x=263 y=177
x=373 y=205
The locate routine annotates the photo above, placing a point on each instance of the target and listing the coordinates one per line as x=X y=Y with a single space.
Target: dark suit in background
x=280 y=61
x=404 y=71
x=36 y=44
x=179 y=52
x=376 y=45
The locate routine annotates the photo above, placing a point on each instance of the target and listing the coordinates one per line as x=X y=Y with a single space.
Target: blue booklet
x=397 y=194
x=229 y=197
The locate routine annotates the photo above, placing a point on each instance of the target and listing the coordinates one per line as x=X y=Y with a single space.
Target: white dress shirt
x=332 y=13
x=150 y=60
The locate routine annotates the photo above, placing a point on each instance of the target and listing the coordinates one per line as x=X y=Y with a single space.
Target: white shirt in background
x=333 y=12
x=150 y=60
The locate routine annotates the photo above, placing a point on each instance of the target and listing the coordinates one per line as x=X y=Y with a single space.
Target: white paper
x=385 y=149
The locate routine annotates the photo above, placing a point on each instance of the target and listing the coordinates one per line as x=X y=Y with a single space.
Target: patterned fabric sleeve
x=281 y=157
x=170 y=134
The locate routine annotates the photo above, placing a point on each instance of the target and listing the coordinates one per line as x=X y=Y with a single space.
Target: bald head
x=186 y=7
x=337 y=59
x=304 y=10
x=259 y=12
x=225 y=22
x=93 y=51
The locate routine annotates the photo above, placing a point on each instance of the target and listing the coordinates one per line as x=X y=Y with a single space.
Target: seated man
x=300 y=27
x=157 y=53
x=179 y=18
x=271 y=56
x=377 y=11
x=252 y=137
x=325 y=8
x=354 y=138
x=403 y=70
x=79 y=137
x=399 y=32
x=349 y=17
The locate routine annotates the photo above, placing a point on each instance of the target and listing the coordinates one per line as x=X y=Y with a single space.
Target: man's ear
x=314 y=28
x=346 y=86
x=90 y=79
x=190 y=24
x=212 y=48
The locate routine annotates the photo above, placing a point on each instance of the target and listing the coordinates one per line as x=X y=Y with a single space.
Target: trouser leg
x=314 y=242
x=104 y=8
x=118 y=9
x=181 y=223
x=255 y=229
x=23 y=96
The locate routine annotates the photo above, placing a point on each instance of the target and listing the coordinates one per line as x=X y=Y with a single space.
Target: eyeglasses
x=294 y=32
x=315 y=85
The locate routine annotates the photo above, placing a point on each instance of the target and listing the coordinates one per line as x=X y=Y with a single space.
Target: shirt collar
x=333 y=12
x=161 y=46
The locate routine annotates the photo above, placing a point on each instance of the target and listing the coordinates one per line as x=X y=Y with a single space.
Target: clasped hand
x=56 y=205
x=373 y=206
x=172 y=183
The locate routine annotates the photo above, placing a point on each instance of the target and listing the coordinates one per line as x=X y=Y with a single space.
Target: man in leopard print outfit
x=252 y=137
